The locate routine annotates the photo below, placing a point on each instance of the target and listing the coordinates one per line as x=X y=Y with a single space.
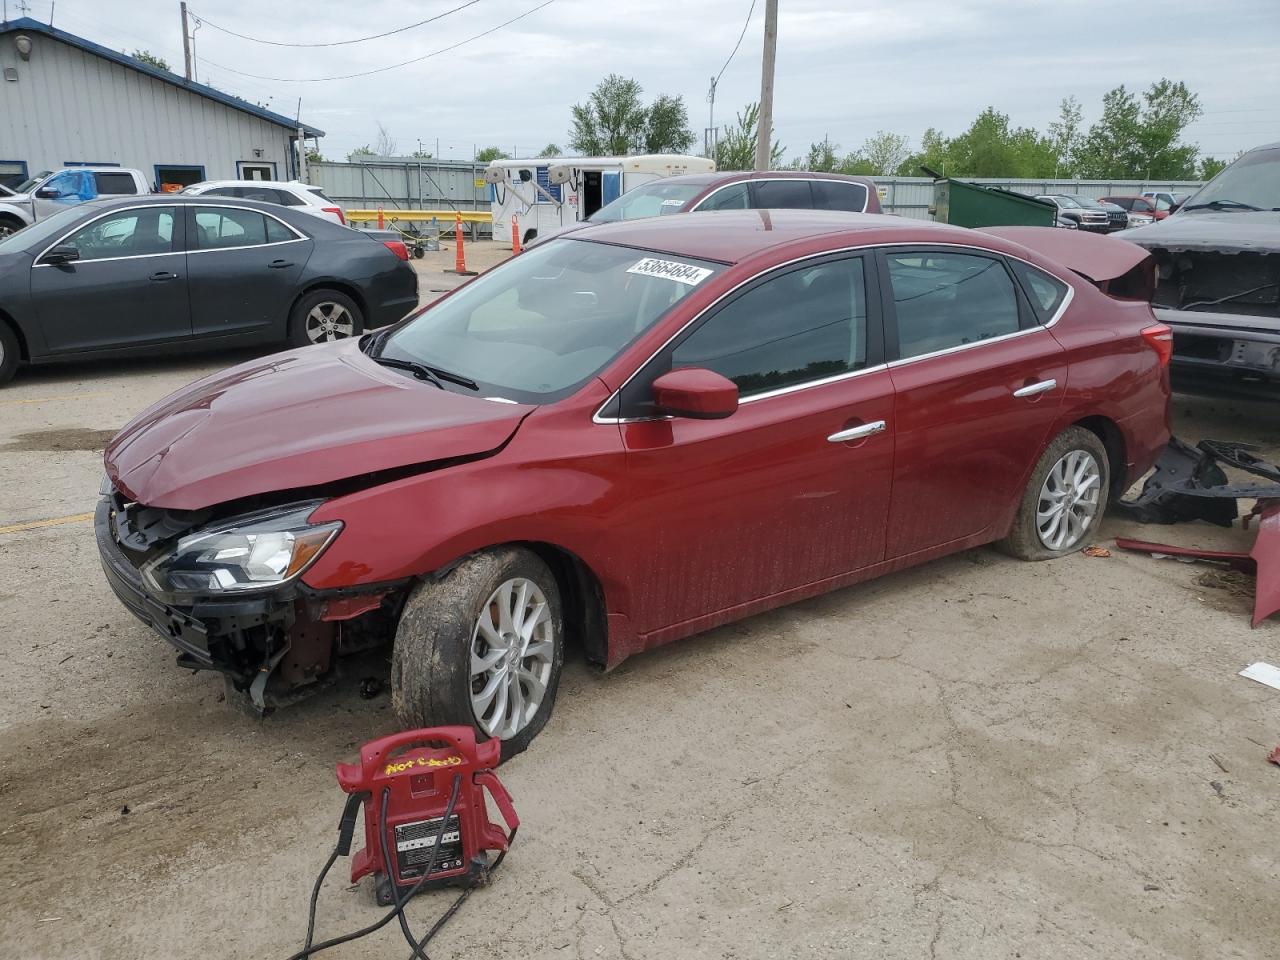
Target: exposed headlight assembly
x=251 y=552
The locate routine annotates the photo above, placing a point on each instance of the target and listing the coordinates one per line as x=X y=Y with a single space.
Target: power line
x=334 y=43
x=746 y=24
x=394 y=66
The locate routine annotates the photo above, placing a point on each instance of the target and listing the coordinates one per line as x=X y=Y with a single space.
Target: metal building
x=66 y=101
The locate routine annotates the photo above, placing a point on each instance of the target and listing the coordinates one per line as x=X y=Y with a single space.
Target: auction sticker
x=685 y=273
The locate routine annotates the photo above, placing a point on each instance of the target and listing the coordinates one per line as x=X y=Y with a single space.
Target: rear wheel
x=322 y=316
x=9 y=355
x=1064 y=500
x=484 y=647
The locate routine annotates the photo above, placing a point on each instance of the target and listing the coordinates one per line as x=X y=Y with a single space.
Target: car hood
x=1243 y=231
x=294 y=420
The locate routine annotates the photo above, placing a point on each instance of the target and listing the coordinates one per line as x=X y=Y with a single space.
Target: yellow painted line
x=52 y=522
x=73 y=396
x=391 y=215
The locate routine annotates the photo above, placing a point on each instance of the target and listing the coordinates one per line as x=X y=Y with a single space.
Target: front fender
x=17 y=211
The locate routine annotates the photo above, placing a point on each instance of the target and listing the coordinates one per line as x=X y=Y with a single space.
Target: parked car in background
x=743 y=190
x=1084 y=217
x=1141 y=210
x=1219 y=263
x=1166 y=200
x=1117 y=217
x=291 y=193
x=167 y=272
x=51 y=193
x=626 y=436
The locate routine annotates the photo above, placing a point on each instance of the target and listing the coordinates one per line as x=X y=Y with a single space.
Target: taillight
x=400 y=250
x=338 y=210
x=1160 y=339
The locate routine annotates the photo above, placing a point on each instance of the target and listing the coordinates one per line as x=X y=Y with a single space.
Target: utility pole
x=186 y=40
x=764 y=129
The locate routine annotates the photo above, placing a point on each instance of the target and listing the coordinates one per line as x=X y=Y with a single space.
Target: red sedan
x=624 y=438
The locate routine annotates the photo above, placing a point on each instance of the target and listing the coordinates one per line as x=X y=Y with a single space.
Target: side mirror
x=63 y=253
x=48 y=193
x=695 y=393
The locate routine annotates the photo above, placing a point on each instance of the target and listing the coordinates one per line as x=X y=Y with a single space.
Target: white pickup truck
x=63 y=188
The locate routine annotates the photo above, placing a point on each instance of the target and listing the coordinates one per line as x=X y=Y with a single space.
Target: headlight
x=248 y=553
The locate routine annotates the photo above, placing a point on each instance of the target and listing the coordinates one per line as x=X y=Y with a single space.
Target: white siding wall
x=69 y=105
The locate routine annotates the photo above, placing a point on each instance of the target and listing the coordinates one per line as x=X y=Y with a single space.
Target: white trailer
x=548 y=193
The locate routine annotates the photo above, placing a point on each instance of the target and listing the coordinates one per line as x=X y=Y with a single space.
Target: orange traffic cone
x=460 y=259
x=515 y=235
x=379 y=218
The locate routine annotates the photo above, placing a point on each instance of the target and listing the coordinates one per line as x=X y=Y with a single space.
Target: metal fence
x=396 y=183
x=912 y=196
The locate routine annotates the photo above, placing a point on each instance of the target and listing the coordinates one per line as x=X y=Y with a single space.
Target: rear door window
x=945 y=300
x=834 y=195
x=781 y=195
x=118 y=184
x=220 y=228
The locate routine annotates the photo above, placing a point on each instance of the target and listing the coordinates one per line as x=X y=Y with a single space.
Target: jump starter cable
x=346 y=830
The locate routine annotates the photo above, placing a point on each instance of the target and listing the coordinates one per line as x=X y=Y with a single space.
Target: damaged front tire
x=483 y=646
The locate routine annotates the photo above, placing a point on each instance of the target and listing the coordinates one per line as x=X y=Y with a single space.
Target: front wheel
x=484 y=647
x=9 y=226
x=1064 y=500
x=322 y=316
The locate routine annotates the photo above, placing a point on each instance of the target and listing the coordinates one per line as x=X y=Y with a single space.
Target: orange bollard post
x=515 y=234
x=460 y=259
x=379 y=218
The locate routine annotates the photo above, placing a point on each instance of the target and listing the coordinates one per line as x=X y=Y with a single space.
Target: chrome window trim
x=866 y=192
x=1062 y=307
x=297 y=234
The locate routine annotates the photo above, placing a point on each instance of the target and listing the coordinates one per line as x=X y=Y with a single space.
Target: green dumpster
x=973 y=205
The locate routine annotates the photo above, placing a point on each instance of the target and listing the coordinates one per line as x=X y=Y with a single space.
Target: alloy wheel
x=512 y=651
x=1068 y=502
x=329 y=320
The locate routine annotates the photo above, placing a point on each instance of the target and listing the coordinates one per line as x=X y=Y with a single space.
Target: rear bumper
x=1227 y=347
x=396 y=296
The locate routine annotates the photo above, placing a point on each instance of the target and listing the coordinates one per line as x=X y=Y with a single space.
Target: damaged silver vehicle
x=1218 y=262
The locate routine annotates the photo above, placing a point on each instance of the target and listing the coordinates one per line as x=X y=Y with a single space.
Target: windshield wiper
x=424 y=372
x=419 y=370
x=1222 y=204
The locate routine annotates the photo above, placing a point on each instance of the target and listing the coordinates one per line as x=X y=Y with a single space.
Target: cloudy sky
x=846 y=68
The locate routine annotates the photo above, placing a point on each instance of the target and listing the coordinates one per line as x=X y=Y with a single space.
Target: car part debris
x=1274 y=757
x=1190 y=484
x=423 y=795
x=1264 y=673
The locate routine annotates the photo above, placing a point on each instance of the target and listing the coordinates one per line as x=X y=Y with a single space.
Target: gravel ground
x=978 y=758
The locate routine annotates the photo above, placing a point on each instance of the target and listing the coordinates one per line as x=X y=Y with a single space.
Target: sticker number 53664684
x=685 y=273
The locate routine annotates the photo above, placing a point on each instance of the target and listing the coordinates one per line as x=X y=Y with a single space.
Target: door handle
x=1032 y=389
x=279 y=264
x=161 y=275
x=859 y=432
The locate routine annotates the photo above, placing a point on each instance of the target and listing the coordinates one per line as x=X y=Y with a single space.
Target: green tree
x=314 y=155
x=823 y=157
x=992 y=148
x=489 y=154
x=1064 y=134
x=932 y=154
x=736 y=145
x=667 y=128
x=360 y=154
x=881 y=154
x=147 y=57
x=1140 y=139
x=612 y=121
x=1210 y=167
x=550 y=150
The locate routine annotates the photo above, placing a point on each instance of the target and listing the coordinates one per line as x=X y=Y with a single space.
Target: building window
x=12 y=172
x=172 y=177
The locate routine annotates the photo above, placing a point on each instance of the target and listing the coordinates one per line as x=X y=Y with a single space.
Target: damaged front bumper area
x=272 y=646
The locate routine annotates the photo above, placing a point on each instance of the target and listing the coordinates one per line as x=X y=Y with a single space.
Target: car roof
x=731 y=236
x=192 y=199
x=295 y=184
x=735 y=176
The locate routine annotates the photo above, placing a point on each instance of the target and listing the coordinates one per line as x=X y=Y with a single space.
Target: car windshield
x=536 y=328
x=648 y=200
x=45 y=229
x=1087 y=202
x=1062 y=201
x=1253 y=181
x=26 y=186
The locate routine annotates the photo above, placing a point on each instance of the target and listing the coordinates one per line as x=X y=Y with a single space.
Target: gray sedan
x=165 y=273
